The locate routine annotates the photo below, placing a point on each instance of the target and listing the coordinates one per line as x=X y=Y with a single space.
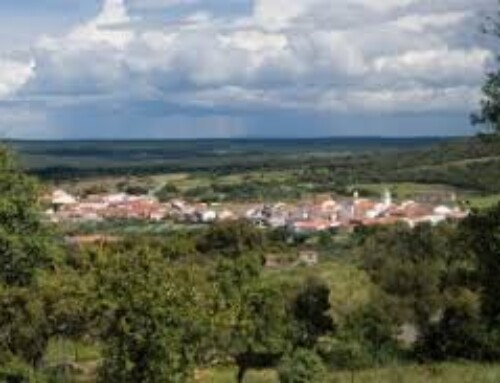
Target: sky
x=122 y=69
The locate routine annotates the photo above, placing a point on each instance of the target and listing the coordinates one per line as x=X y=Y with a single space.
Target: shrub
x=302 y=366
x=345 y=355
x=16 y=371
x=459 y=333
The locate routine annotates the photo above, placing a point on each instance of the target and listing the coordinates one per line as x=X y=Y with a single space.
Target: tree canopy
x=489 y=113
x=26 y=244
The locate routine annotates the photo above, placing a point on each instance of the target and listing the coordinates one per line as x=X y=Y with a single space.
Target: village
x=320 y=213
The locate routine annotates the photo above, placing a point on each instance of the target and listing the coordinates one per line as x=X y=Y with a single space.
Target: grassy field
x=409 y=190
x=433 y=373
x=430 y=373
x=86 y=358
x=60 y=350
x=440 y=373
x=484 y=202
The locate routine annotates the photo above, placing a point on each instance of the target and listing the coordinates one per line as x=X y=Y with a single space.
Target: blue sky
x=240 y=68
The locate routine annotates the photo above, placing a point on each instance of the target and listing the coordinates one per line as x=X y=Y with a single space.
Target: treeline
x=371 y=162
x=471 y=164
x=438 y=286
x=213 y=165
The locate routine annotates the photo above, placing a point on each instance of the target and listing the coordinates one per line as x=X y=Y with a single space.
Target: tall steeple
x=387 y=197
x=355 y=195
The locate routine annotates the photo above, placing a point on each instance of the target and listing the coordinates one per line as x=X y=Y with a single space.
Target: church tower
x=387 y=198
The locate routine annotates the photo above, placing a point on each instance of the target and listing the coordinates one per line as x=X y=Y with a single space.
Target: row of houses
x=320 y=214
x=65 y=207
x=328 y=214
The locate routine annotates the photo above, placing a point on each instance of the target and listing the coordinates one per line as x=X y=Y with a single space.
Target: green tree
x=458 y=334
x=482 y=231
x=254 y=328
x=24 y=329
x=69 y=307
x=232 y=239
x=179 y=246
x=302 y=366
x=168 y=192
x=261 y=334
x=489 y=113
x=235 y=276
x=153 y=316
x=410 y=266
x=311 y=310
x=373 y=327
x=364 y=339
x=26 y=244
x=28 y=251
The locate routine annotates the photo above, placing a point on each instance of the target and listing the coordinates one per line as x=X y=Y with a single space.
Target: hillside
x=67 y=158
x=248 y=170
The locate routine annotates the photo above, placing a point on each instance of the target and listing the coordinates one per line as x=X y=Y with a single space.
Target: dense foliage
x=302 y=366
x=489 y=113
x=25 y=243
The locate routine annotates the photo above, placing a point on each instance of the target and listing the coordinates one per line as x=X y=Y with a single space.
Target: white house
x=61 y=198
x=208 y=216
x=225 y=215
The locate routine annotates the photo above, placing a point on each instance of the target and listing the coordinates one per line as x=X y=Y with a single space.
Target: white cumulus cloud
x=14 y=75
x=326 y=55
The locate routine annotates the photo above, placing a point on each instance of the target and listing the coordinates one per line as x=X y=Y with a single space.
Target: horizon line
x=253 y=138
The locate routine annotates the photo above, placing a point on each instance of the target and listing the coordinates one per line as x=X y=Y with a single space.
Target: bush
x=302 y=366
x=16 y=371
x=345 y=355
x=168 y=192
x=459 y=334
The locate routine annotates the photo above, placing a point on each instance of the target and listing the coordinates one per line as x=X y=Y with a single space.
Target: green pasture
x=435 y=373
x=408 y=190
x=484 y=202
